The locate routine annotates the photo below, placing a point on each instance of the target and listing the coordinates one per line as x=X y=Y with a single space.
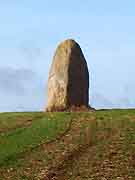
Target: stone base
x=71 y=109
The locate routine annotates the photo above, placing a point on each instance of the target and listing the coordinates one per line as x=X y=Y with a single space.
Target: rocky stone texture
x=68 y=83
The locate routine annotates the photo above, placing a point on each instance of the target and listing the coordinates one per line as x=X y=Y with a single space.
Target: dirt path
x=90 y=160
x=66 y=149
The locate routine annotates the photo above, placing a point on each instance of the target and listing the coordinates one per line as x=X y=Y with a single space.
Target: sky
x=30 y=31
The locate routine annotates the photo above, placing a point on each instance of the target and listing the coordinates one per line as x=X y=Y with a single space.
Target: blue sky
x=30 y=32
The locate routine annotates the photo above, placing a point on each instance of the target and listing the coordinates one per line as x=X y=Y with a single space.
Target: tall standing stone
x=68 y=82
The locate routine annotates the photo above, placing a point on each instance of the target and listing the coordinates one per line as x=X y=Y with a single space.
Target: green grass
x=111 y=134
x=10 y=121
x=22 y=139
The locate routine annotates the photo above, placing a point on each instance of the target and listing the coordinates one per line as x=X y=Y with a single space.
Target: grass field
x=68 y=146
x=21 y=132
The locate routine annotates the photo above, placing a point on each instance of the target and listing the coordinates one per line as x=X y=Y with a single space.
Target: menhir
x=68 y=82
